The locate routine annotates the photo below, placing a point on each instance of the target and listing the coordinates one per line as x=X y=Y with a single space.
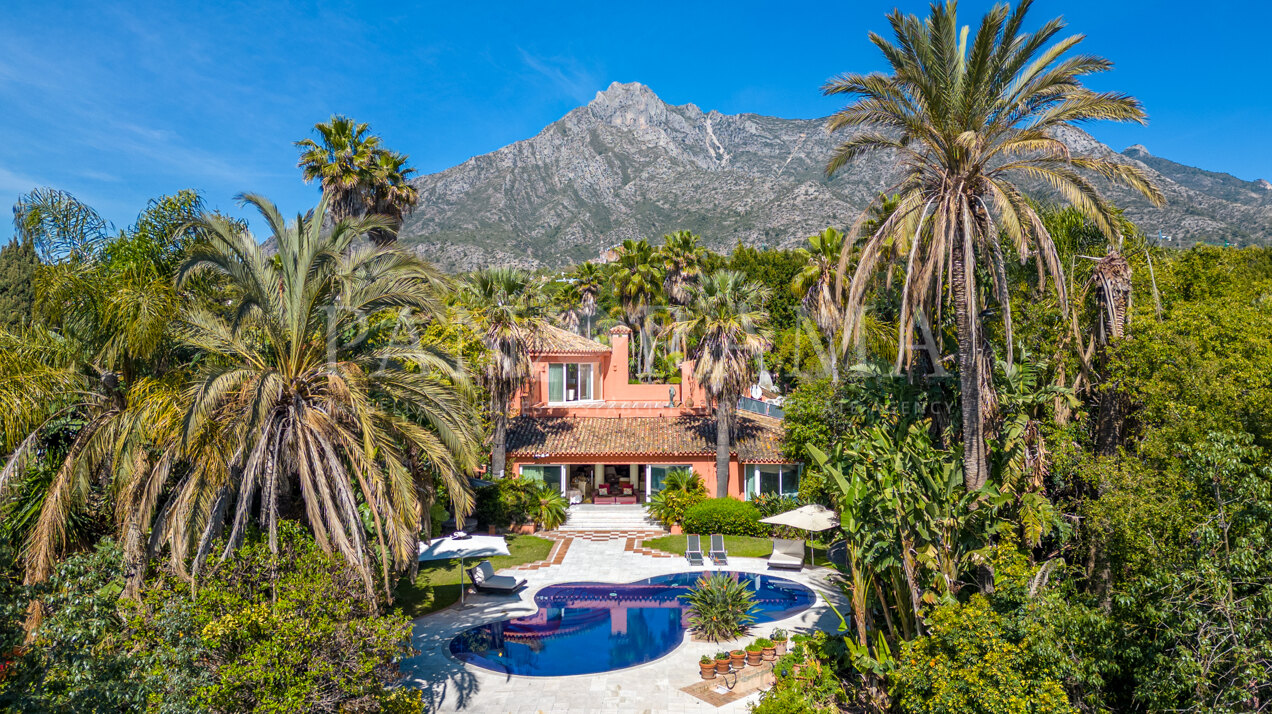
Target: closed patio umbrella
x=449 y=548
x=812 y=517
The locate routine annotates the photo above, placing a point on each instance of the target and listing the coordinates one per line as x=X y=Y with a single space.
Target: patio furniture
x=485 y=580
x=603 y=495
x=717 y=553
x=787 y=554
x=462 y=547
x=693 y=549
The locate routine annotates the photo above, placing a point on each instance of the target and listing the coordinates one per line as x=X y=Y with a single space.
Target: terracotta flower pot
x=739 y=658
x=676 y=529
x=708 y=669
x=722 y=666
x=525 y=529
x=770 y=654
x=753 y=657
x=781 y=646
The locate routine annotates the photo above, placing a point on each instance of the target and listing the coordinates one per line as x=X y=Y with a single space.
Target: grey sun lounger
x=787 y=554
x=693 y=549
x=717 y=554
x=484 y=579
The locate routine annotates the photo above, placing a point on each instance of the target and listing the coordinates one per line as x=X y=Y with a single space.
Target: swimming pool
x=585 y=628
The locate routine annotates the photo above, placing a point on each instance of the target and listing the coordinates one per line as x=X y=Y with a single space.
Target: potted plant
x=770 y=652
x=779 y=640
x=707 y=666
x=722 y=662
x=738 y=657
x=720 y=607
x=753 y=654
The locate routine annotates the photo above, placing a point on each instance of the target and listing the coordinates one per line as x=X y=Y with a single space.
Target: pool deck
x=452 y=686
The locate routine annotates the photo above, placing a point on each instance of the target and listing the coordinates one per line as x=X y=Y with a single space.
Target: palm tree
x=725 y=320
x=589 y=278
x=298 y=405
x=682 y=259
x=637 y=284
x=89 y=385
x=392 y=194
x=569 y=305
x=340 y=162
x=359 y=176
x=507 y=305
x=967 y=119
x=815 y=286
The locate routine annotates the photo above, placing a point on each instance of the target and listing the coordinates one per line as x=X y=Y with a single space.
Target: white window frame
x=564 y=477
x=649 y=475
x=752 y=484
x=593 y=387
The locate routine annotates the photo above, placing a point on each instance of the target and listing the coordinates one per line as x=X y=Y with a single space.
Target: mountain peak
x=1136 y=151
x=1264 y=184
x=619 y=92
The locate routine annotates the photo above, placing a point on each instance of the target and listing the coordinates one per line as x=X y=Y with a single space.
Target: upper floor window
x=569 y=383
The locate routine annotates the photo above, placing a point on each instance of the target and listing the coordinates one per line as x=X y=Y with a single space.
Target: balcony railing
x=758 y=407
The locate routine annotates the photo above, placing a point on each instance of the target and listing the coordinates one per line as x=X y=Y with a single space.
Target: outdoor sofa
x=484 y=579
x=787 y=554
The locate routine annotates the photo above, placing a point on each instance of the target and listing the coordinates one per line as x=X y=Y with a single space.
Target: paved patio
x=451 y=686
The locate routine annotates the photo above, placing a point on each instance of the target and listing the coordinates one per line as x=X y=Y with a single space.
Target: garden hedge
x=727 y=516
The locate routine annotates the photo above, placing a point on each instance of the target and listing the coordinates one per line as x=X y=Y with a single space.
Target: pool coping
x=687 y=638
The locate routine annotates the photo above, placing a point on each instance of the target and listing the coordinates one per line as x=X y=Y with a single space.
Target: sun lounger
x=693 y=549
x=484 y=579
x=787 y=554
x=717 y=554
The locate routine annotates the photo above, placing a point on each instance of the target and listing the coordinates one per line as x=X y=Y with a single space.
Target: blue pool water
x=584 y=628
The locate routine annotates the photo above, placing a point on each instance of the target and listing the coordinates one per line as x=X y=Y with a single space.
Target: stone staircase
x=590 y=517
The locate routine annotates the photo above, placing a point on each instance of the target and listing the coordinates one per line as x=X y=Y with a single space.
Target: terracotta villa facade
x=581 y=426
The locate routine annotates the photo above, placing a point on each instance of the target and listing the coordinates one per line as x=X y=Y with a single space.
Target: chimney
x=619 y=338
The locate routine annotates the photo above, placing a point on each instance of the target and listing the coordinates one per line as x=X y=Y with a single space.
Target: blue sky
x=118 y=102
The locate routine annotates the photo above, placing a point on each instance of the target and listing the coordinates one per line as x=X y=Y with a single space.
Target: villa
x=581 y=425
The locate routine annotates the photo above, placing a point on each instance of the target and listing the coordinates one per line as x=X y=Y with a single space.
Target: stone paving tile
x=451 y=686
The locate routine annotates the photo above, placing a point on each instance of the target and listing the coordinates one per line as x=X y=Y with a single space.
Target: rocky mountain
x=628 y=165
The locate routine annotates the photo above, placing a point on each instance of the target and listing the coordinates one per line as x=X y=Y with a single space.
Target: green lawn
x=741 y=546
x=438 y=583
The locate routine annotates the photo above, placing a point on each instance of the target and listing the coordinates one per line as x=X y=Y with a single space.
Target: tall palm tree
x=358 y=175
x=815 y=286
x=967 y=119
x=726 y=322
x=339 y=161
x=90 y=384
x=683 y=259
x=392 y=194
x=637 y=282
x=590 y=280
x=508 y=307
x=304 y=407
x=569 y=304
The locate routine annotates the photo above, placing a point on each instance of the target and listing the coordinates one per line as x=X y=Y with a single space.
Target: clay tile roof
x=554 y=340
x=759 y=438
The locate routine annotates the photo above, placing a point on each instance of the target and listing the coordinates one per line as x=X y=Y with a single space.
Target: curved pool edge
x=811 y=582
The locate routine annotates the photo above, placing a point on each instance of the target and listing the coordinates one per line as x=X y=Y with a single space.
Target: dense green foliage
x=726 y=516
x=681 y=490
x=291 y=632
x=18 y=263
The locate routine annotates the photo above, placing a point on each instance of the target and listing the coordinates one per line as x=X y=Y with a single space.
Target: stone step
x=599 y=518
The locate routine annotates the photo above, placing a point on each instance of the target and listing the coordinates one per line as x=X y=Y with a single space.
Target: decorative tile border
x=555 y=556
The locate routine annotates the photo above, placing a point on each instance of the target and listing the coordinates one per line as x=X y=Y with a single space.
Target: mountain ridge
x=629 y=165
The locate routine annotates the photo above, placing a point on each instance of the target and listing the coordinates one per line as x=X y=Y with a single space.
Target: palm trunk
x=499 y=447
x=970 y=366
x=722 y=447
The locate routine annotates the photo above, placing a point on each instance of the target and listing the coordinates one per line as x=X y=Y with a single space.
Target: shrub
x=720 y=607
x=550 y=507
x=727 y=516
x=509 y=501
x=682 y=489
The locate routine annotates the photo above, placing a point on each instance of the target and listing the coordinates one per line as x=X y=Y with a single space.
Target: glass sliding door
x=569 y=383
x=553 y=476
x=556 y=383
x=655 y=474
